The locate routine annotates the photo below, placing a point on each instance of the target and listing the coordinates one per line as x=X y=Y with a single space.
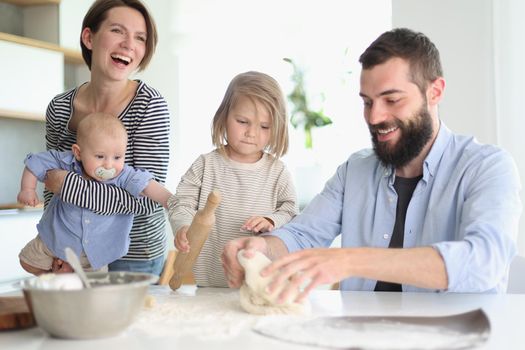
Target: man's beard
x=415 y=133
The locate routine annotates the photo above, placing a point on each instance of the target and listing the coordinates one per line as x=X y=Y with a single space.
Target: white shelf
x=32 y=76
x=34 y=64
x=31 y=2
x=70 y=56
x=6 y=113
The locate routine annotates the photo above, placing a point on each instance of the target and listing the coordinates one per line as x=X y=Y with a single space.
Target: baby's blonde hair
x=100 y=123
x=264 y=89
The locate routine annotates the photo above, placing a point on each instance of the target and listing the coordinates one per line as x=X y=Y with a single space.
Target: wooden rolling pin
x=197 y=234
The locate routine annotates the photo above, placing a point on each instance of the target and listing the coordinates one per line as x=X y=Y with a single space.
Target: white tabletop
x=210 y=318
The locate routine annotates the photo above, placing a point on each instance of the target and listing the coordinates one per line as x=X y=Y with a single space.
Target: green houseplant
x=301 y=114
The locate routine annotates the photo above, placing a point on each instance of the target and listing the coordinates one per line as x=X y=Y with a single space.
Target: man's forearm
x=275 y=247
x=421 y=267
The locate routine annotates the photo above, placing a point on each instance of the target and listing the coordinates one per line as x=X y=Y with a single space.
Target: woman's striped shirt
x=147 y=121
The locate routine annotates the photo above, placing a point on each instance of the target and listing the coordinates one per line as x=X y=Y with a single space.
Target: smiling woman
x=118 y=38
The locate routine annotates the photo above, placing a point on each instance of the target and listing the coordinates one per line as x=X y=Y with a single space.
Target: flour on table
x=202 y=313
x=253 y=295
x=210 y=314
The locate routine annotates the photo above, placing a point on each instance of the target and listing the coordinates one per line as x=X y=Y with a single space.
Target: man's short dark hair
x=414 y=47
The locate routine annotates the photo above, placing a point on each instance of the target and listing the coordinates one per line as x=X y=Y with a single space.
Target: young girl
x=250 y=132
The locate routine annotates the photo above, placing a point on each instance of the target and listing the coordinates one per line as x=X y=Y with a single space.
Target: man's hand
x=54 y=180
x=308 y=268
x=181 y=240
x=233 y=270
x=258 y=224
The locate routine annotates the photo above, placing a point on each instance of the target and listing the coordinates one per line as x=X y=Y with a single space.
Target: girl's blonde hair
x=264 y=89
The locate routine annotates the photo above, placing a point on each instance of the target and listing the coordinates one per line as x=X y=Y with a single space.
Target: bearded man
x=425 y=210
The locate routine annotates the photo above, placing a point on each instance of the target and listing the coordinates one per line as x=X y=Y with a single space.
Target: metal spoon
x=73 y=260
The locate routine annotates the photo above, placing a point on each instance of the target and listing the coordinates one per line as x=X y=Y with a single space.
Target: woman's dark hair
x=97 y=13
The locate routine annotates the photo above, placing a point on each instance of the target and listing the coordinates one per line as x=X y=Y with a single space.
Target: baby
x=98 y=155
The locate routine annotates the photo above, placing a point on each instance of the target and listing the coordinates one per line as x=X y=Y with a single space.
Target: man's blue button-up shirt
x=466 y=206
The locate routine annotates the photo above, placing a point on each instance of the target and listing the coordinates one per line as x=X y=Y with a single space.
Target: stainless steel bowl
x=102 y=311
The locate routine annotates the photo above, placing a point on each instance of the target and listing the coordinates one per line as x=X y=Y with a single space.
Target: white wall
x=462 y=31
x=482 y=51
x=162 y=74
x=509 y=48
x=71 y=14
x=204 y=43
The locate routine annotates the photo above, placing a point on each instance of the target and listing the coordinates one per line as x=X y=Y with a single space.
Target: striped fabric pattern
x=147 y=121
x=264 y=188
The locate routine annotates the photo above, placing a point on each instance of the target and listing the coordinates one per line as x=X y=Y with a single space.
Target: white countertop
x=177 y=320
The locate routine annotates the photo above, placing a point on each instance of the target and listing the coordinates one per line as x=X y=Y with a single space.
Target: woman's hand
x=55 y=179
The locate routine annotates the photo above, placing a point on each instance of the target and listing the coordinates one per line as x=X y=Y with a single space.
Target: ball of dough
x=150 y=301
x=63 y=281
x=253 y=295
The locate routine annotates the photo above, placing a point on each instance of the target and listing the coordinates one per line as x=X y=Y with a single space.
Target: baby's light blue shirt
x=103 y=238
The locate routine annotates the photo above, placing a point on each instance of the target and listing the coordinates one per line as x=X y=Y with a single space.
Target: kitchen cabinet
x=20 y=91
x=17 y=227
x=41 y=58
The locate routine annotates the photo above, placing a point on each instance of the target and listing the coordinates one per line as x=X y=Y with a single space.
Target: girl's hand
x=181 y=240
x=258 y=224
x=28 y=197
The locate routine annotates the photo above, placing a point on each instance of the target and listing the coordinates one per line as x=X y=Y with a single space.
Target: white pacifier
x=105 y=174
